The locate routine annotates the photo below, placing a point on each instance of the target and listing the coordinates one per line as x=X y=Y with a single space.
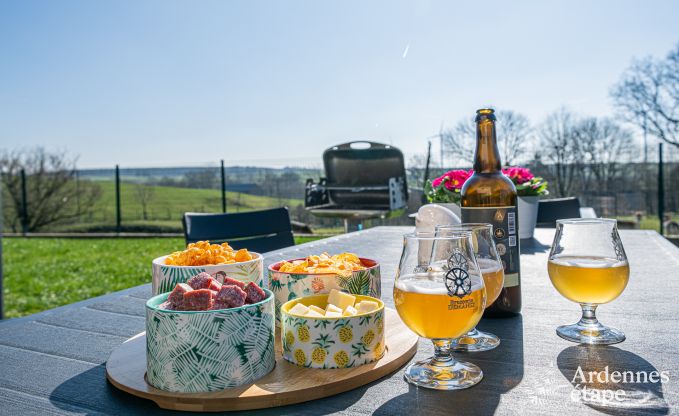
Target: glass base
x=446 y=375
x=474 y=341
x=593 y=334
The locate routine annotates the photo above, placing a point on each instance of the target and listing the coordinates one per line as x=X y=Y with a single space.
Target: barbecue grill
x=362 y=180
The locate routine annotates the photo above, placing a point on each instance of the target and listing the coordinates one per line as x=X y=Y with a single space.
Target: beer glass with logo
x=493 y=278
x=440 y=295
x=588 y=265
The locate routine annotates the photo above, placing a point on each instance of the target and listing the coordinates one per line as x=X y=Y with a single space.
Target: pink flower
x=518 y=175
x=452 y=180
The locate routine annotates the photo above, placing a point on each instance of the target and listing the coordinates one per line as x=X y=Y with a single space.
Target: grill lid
x=358 y=172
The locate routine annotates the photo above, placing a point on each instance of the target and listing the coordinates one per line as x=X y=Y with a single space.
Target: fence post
x=118 y=219
x=661 y=190
x=223 y=189
x=24 y=203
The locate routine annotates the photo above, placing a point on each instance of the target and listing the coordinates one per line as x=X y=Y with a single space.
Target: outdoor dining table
x=53 y=362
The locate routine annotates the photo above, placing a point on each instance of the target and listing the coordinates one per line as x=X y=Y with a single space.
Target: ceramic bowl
x=203 y=351
x=344 y=342
x=288 y=286
x=166 y=277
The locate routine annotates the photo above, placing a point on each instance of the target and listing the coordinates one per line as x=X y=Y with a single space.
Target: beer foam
x=590 y=262
x=488 y=265
x=425 y=286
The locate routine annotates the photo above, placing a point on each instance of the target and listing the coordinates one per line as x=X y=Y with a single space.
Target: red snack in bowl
x=230 y=281
x=231 y=296
x=218 y=305
x=176 y=297
x=254 y=292
x=200 y=281
x=166 y=305
x=215 y=285
x=198 y=300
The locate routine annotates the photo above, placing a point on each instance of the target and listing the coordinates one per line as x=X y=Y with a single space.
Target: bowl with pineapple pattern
x=287 y=286
x=324 y=342
x=211 y=350
x=165 y=277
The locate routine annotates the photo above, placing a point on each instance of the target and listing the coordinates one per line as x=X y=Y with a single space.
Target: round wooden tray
x=286 y=384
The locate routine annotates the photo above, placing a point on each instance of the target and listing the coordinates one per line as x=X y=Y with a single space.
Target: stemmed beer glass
x=493 y=274
x=439 y=293
x=588 y=265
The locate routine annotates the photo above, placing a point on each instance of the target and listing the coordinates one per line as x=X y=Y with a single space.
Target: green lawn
x=43 y=273
x=648 y=222
x=168 y=204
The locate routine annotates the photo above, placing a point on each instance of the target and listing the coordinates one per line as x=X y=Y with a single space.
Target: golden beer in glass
x=493 y=277
x=493 y=274
x=451 y=320
x=588 y=265
x=439 y=294
x=589 y=279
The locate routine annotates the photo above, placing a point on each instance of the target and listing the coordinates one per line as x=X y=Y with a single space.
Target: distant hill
x=243 y=173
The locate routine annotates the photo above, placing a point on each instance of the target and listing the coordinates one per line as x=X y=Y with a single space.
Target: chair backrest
x=550 y=210
x=258 y=231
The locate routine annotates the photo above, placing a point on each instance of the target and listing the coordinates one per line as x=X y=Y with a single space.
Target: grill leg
x=351 y=224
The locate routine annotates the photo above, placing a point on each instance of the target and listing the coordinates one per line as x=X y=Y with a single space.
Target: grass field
x=168 y=204
x=43 y=273
x=648 y=222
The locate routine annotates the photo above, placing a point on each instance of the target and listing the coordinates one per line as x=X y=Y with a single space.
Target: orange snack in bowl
x=342 y=264
x=202 y=253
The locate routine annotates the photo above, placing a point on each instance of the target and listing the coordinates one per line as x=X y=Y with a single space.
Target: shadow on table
x=90 y=393
x=502 y=371
x=533 y=246
x=608 y=392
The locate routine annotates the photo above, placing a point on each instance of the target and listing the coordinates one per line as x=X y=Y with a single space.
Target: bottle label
x=505 y=223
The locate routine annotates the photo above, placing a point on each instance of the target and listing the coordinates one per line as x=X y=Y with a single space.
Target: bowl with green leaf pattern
x=211 y=350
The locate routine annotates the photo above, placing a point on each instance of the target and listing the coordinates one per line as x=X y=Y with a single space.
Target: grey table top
x=54 y=362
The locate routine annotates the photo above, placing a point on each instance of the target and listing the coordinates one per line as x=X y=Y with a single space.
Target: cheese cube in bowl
x=314 y=334
x=290 y=285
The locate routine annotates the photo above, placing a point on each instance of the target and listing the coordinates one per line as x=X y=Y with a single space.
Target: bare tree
x=144 y=194
x=558 y=146
x=601 y=146
x=648 y=96
x=459 y=142
x=513 y=135
x=415 y=170
x=201 y=179
x=53 y=193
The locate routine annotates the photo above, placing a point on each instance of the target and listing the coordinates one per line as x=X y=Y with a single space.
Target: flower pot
x=528 y=215
x=451 y=206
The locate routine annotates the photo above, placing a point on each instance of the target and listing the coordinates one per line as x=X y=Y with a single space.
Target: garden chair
x=550 y=210
x=258 y=231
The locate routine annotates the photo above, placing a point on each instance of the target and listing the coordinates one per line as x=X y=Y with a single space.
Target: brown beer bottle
x=488 y=196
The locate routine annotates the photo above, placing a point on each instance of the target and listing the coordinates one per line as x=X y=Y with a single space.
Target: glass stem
x=588 y=315
x=442 y=356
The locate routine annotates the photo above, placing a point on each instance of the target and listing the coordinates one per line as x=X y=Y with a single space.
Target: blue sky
x=162 y=83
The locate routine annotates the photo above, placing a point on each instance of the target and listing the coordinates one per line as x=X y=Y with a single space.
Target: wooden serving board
x=286 y=384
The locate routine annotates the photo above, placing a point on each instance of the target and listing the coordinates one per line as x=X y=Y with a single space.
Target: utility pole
x=426 y=167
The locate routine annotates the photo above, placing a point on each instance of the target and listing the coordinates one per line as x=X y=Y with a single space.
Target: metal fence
x=153 y=199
